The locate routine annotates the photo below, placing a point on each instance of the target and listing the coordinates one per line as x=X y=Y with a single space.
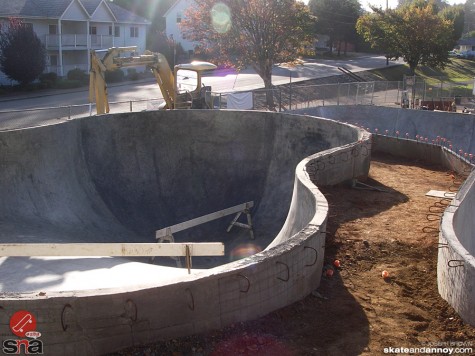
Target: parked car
x=466 y=54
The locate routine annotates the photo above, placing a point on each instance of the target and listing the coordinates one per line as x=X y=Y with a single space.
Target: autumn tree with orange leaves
x=259 y=33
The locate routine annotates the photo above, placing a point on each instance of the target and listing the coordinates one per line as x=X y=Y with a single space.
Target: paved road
x=220 y=81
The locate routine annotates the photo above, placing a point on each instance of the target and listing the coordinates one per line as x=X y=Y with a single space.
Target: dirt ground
x=356 y=311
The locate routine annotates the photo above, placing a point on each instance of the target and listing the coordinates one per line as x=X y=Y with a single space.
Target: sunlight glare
x=221 y=17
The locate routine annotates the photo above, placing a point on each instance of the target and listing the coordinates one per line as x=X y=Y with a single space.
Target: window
x=53 y=29
x=134 y=31
x=116 y=31
x=178 y=17
x=28 y=25
x=92 y=30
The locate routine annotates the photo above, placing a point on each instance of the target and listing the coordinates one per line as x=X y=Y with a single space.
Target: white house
x=70 y=28
x=173 y=18
x=466 y=44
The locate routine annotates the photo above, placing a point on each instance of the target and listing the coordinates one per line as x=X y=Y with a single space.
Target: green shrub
x=68 y=84
x=78 y=74
x=114 y=76
x=48 y=80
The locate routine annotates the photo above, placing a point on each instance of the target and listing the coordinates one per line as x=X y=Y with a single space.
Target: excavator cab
x=189 y=90
x=186 y=93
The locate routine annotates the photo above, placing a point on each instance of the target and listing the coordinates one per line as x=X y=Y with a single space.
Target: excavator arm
x=155 y=61
x=112 y=60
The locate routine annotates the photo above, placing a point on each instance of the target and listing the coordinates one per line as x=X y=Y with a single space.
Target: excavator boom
x=155 y=61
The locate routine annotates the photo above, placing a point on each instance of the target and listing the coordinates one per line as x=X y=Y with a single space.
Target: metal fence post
x=290 y=94
x=397 y=97
x=280 y=99
x=338 y=95
x=372 y=94
x=348 y=96
x=130 y=105
x=386 y=92
x=69 y=113
x=357 y=93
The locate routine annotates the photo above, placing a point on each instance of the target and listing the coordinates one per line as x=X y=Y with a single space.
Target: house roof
x=56 y=8
x=90 y=5
x=467 y=41
x=170 y=9
x=33 y=8
x=124 y=15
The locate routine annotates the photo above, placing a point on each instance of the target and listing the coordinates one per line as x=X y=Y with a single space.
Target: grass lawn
x=457 y=71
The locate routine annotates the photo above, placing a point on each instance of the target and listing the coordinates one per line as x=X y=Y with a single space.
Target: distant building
x=70 y=28
x=173 y=18
x=466 y=44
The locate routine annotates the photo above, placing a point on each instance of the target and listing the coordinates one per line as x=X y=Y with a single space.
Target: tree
x=414 y=32
x=22 y=55
x=469 y=24
x=375 y=30
x=336 y=19
x=440 y=4
x=469 y=34
x=456 y=14
x=259 y=33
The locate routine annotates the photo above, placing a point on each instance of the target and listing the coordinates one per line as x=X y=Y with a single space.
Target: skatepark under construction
x=110 y=185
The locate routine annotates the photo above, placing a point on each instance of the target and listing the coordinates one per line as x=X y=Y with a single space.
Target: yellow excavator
x=176 y=95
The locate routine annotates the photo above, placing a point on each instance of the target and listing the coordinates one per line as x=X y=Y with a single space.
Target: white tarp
x=241 y=101
x=154 y=104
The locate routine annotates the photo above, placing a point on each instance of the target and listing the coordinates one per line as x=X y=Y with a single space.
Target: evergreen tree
x=22 y=54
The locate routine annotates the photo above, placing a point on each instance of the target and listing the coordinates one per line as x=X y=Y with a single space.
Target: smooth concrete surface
x=121 y=177
x=456 y=262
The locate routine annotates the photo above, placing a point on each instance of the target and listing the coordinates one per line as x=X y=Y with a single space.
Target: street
x=221 y=81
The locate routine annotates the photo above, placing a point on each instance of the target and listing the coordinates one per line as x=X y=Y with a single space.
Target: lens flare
x=221 y=17
x=244 y=250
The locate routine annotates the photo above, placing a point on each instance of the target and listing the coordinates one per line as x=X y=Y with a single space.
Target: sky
x=393 y=3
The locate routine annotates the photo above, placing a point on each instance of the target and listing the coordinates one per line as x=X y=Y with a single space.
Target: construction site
x=336 y=229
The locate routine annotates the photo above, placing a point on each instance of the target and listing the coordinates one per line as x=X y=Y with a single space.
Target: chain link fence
x=294 y=97
x=436 y=88
x=282 y=98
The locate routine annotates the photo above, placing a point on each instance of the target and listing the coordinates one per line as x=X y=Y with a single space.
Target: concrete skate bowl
x=456 y=262
x=118 y=178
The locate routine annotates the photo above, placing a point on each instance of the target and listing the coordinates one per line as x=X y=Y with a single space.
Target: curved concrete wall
x=120 y=178
x=456 y=127
x=117 y=159
x=456 y=262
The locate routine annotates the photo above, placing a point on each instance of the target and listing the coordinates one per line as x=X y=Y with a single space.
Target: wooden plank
x=440 y=194
x=202 y=219
x=112 y=249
